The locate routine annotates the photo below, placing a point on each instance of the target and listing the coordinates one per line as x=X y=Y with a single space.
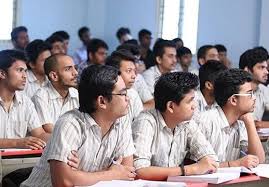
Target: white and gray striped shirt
x=151 y=75
x=157 y=145
x=78 y=131
x=50 y=105
x=142 y=88
x=226 y=140
x=21 y=118
x=262 y=101
x=136 y=105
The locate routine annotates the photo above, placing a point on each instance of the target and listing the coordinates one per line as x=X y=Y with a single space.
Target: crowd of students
x=135 y=114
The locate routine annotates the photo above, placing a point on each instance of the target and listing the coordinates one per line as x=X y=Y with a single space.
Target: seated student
x=19 y=38
x=123 y=60
x=179 y=42
x=184 y=59
x=123 y=34
x=80 y=54
x=36 y=51
x=57 y=44
x=230 y=128
x=222 y=50
x=254 y=61
x=97 y=53
x=59 y=95
x=65 y=37
x=145 y=38
x=165 y=60
x=164 y=135
x=94 y=131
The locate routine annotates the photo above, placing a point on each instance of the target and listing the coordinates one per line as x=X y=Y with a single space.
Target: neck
x=169 y=120
x=62 y=90
x=162 y=70
x=40 y=78
x=104 y=121
x=6 y=94
x=209 y=98
x=231 y=114
x=184 y=67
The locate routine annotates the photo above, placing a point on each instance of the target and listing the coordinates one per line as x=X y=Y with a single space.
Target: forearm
x=262 y=124
x=48 y=127
x=8 y=143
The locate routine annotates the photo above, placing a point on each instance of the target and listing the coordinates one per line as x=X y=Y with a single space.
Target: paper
x=14 y=150
x=261 y=170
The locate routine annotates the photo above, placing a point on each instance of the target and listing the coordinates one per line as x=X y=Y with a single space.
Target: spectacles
x=123 y=93
x=251 y=94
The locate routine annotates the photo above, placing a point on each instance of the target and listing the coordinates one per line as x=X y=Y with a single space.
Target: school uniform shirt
x=21 y=118
x=32 y=84
x=50 y=105
x=151 y=75
x=262 y=101
x=135 y=105
x=157 y=145
x=79 y=131
x=142 y=89
x=227 y=141
x=80 y=55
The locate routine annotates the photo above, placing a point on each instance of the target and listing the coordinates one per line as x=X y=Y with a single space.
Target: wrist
x=190 y=169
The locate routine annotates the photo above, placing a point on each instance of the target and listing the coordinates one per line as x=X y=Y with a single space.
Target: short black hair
x=15 y=32
x=263 y=49
x=51 y=63
x=35 y=48
x=94 y=45
x=62 y=34
x=201 y=53
x=177 y=40
x=54 y=38
x=83 y=30
x=96 y=80
x=9 y=56
x=183 y=51
x=228 y=82
x=173 y=87
x=118 y=56
x=242 y=59
x=122 y=31
x=131 y=41
x=134 y=49
x=220 y=48
x=142 y=33
x=209 y=72
x=251 y=57
x=160 y=45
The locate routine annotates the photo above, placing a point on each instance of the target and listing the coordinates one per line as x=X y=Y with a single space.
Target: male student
x=66 y=38
x=254 y=61
x=59 y=95
x=165 y=59
x=57 y=44
x=184 y=59
x=222 y=50
x=123 y=60
x=164 y=135
x=205 y=53
x=19 y=38
x=123 y=34
x=145 y=38
x=36 y=51
x=104 y=145
x=230 y=128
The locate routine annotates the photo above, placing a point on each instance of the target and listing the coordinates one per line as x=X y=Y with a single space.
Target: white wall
x=264 y=27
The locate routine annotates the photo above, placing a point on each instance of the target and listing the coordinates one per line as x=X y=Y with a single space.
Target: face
x=15 y=78
x=85 y=38
x=212 y=54
x=99 y=56
x=222 y=56
x=168 y=61
x=38 y=67
x=146 y=41
x=22 y=40
x=66 y=43
x=260 y=72
x=128 y=72
x=58 y=47
x=186 y=59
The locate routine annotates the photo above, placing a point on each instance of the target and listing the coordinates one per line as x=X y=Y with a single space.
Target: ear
x=209 y=85
x=233 y=100
x=53 y=76
x=3 y=74
x=158 y=60
x=101 y=102
x=170 y=106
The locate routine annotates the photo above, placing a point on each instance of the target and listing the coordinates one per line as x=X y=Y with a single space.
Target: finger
x=130 y=169
x=73 y=159
x=74 y=153
x=131 y=175
x=33 y=144
x=72 y=164
x=38 y=141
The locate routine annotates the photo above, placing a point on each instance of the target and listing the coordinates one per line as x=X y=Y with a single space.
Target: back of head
x=251 y=57
x=228 y=82
x=210 y=71
x=160 y=45
x=62 y=34
x=183 y=51
x=8 y=57
x=96 y=80
x=142 y=33
x=220 y=48
x=15 y=32
x=173 y=87
x=82 y=30
x=116 y=58
x=201 y=53
x=122 y=31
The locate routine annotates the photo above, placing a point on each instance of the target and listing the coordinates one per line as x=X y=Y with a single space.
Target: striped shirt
x=151 y=75
x=78 y=131
x=142 y=88
x=262 y=101
x=136 y=105
x=21 y=118
x=226 y=140
x=32 y=84
x=157 y=145
x=50 y=104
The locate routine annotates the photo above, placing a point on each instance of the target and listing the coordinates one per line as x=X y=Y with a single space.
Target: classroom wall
x=264 y=27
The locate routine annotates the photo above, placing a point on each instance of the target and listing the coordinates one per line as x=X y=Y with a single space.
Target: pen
x=243 y=153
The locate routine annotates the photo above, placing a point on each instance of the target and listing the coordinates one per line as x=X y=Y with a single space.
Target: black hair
x=173 y=87
x=94 y=45
x=54 y=38
x=51 y=63
x=142 y=33
x=201 y=53
x=134 y=49
x=9 y=56
x=160 y=45
x=118 y=56
x=15 y=32
x=220 y=48
x=122 y=31
x=183 y=51
x=82 y=30
x=62 y=34
x=251 y=57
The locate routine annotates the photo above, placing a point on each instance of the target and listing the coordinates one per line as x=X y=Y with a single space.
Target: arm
x=262 y=124
x=28 y=143
x=40 y=133
x=48 y=127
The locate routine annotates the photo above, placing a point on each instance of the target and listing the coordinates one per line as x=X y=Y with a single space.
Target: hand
x=249 y=161
x=73 y=160
x=122 y=172
x=31 y=142
x=247 y=118
x=206 y=165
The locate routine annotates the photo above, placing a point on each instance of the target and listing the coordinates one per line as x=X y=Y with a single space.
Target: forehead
x=64 y=61
x=262 y=64
x=245 y=87
x=127 y=64
x=212 y=51
x=18 y=64
x=170 y=50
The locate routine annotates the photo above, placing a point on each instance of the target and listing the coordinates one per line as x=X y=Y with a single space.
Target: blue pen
x=243 y=153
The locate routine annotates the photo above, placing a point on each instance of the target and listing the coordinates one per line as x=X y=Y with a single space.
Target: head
x=19 y=37
x=124 y=61
x=179 y=42
x=205 y=53
x=65 y=37
x=101 y=89
x=57 y=44
x=184 y=56
x=145 y=38
x=233 y=90
x=165 y=55
x=174 y=94
x=61 y=71
x=97 y=51
x=84 y=35
x=255 y=62
x=222 y=50
x=208 y=74
x=123 y=34
x=13 y=69
x=37 y=51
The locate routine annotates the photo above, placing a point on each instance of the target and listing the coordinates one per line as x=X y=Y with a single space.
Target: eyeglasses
x=251 y=94
x=123 y=93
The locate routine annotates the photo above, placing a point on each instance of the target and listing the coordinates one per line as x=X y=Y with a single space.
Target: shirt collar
x=91 y=122
x=54 y=94
x=17 y=98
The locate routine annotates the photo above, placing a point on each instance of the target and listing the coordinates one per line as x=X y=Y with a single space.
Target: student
x=97 y=53
x=80 y=54
x=222 y=50
x=57 y=44
x=123 y=60
x=164 y=135
x=145 y=38
x=205 y=53
x=94 y=131
x=184 y=59
x=36 y=51
x=59 y=95
x=123 y=34
x=230 y=128
x=165 y=59
x=179 y=42
x=254 y=61
x=66 y=38
x=19 y=38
